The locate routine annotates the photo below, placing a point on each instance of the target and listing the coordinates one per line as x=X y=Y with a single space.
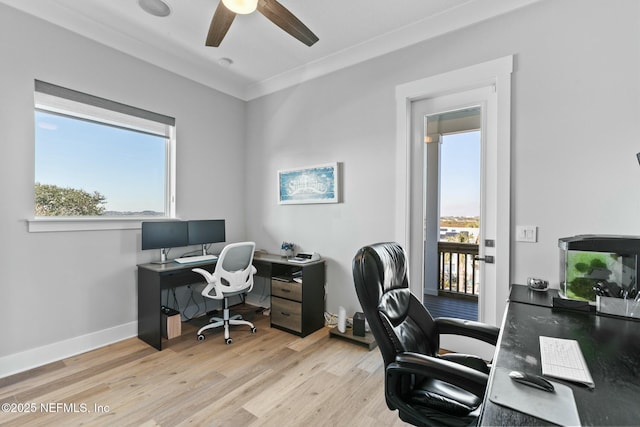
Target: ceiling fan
x=271 y=9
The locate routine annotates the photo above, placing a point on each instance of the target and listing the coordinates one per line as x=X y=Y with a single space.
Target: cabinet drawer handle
x=285 y=314
x=285 y=290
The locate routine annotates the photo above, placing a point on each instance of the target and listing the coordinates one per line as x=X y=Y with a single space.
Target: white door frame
x=497 y=73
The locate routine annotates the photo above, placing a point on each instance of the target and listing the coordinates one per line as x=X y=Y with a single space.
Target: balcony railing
x=458 y=270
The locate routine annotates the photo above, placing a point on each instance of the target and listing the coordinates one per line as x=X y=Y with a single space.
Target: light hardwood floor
x=270 y=378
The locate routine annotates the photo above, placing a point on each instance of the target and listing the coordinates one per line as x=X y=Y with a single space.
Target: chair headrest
x=382 y=263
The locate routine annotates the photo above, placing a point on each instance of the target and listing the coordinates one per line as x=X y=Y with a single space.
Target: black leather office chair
x=426 y=388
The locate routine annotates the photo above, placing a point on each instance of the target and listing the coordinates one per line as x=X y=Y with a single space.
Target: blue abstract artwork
x=316 y=184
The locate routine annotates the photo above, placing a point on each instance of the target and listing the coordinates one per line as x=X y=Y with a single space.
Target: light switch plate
x=526 y=233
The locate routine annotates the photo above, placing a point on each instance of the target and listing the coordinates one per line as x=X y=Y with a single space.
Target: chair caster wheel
x=200 y=337
x=228 y=340
x=253 y=330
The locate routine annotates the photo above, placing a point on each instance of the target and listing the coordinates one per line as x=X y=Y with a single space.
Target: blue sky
x=126 y=167
x=460 y=174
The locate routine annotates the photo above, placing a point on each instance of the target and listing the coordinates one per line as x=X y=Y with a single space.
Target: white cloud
x=47 y=126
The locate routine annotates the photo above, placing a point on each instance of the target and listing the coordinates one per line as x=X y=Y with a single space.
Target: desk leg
x=149 y=316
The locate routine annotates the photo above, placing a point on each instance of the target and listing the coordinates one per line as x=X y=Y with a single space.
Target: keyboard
x=562 y=358
x=199 y=258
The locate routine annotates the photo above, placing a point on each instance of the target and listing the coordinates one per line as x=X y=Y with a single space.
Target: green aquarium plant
x=586 y=269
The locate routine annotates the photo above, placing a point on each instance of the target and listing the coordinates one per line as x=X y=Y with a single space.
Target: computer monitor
x=164 y=235
x=205 y=231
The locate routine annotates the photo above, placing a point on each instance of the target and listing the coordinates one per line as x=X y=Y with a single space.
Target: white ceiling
x=265 y=58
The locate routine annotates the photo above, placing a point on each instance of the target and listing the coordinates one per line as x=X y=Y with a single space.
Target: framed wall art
x=313 y=184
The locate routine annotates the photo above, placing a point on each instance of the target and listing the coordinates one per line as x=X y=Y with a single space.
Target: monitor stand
x=204 y=249
x=163 y=258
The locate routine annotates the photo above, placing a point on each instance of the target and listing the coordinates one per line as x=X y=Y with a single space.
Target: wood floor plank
x=47 y=387
x=332 y=412
x=311 y=339
x=271 y=378
x=296 y=404
x=313 y=360
x=229 y=400
x=22 y=378
x=371 y=361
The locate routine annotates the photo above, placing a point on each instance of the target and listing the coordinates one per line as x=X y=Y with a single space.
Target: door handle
x=487 y=258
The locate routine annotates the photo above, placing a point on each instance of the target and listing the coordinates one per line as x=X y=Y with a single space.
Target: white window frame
x=60 y=100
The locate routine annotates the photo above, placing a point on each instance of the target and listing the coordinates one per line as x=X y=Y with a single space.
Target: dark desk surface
x=611 y=348
x=522 y=294
x=257 y=257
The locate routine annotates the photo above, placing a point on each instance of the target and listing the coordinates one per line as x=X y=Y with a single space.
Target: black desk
x=522 y=294
x=611 y=347
x=301 y=305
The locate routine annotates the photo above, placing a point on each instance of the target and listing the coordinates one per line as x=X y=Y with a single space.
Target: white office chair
x=233 y=275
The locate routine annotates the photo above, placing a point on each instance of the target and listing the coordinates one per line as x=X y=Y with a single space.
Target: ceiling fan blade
x=220 y=24
x=280 y=15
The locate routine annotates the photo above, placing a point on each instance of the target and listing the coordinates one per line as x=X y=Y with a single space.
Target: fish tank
x=599 y=266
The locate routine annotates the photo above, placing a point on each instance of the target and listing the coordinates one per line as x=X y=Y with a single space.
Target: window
x=99 y=159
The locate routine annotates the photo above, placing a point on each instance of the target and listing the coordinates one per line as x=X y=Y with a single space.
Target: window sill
x=39 y=225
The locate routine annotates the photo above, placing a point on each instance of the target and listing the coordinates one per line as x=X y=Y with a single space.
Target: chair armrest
x=461 y=376
x=468 y=328
x=208 y=277
x=212 y=284
x=252 y=272
x=468 y=360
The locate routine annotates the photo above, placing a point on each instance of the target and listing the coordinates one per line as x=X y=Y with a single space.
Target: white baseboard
x=33 y=358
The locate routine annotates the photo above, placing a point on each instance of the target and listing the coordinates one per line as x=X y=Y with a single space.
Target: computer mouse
x=531 y=380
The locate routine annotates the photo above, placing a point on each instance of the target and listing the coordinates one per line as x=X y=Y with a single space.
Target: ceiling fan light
x=241 y=7
x=155 y=7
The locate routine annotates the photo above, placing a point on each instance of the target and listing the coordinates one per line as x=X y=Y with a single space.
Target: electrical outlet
x=526 y=233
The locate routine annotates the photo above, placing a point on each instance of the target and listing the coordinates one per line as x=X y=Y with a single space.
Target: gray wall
x=61 y=285
x=574 y=128
x=575 y=112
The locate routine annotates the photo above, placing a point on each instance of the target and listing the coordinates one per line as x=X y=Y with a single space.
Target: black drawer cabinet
x=297 y=297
